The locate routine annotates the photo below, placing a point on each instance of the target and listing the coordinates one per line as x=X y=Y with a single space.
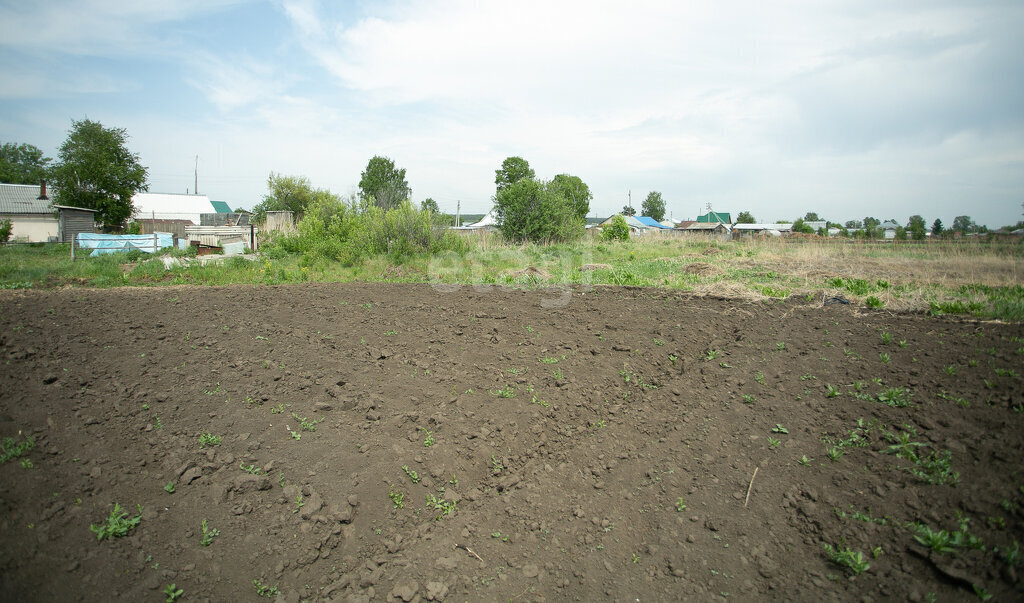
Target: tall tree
x=745 y=217
x=383 y=184
x=964 y=224
x=627 y=210
x=937 y=228
x=853 y=224
x=916 y=227
x=574 y=191
x=430 y=205
x=512 y=170
x=811 y=217
x=96 y=170
x=22 y=163
x=653 y=206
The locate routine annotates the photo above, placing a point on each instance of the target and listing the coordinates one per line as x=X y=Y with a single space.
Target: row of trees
x=870 y=227
x=653 y=206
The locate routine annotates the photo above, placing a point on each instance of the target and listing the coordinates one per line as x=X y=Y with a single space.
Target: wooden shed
x=73 y=220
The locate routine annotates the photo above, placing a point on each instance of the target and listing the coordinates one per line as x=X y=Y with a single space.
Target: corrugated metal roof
x=221 y=207
x=649 y=221
x=715 y=216
x=22 y=199
x=171 y=206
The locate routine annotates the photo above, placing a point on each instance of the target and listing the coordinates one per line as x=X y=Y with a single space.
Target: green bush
x=5 y=231
x=618 y=230
x=340 y=231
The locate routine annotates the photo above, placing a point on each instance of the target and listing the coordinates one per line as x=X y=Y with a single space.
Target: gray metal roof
x=22 y=199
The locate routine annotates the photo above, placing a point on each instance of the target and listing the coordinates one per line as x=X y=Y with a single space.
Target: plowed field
x=396 y=441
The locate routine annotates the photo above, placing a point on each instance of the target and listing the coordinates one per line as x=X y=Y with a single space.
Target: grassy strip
x=942 y=277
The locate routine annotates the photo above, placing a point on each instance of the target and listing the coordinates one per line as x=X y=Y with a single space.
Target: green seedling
x=251 y=469
x=680 y=505
x=445 y=507
x=831 y=391
x=779 y=429
x=208 y=534
x=759 y=377
x=973 y=362
x=208 y=439
x=773 y=442
x=834 y=453
x=658 y=342
x=672 y=358
x=950 y=370
x=711 y=355
x=156 y=422
x=299 y=503
x=808 y=377
x=886 y=337
x=844 y=557
x=428 y=440
x=873 y=302
x=903 y=343
x=266 y=591
x=390 y=333
x=748 y=399
x=453 y=481
x=598 y=425
x=508 y=392
x=537 y=400
x=780 y=346
x=169 y=488
x=172 y=592
x=548 y=360
x=897 y=397
x=496 y=466
x=885 y=358
x=216 y=390
x=415 y=477
x=305 y=424
x=1011 y=555
x=396 y=497
x=250 y=402
x=803 y=460
x=558 y=374
x=277 y=410
x=117 y=524
x=26 y=463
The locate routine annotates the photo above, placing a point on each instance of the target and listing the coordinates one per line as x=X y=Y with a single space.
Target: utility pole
x=458 y=212
x=197 y=175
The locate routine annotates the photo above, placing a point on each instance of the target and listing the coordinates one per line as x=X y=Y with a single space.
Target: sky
x=844 y=108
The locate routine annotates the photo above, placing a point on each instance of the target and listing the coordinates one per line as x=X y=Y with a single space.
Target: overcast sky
x=847 y=109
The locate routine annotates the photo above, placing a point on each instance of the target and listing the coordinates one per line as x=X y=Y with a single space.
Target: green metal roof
x=715 y=216
x=221 y=207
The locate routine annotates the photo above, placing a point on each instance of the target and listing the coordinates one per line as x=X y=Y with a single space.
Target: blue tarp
x=106 y=243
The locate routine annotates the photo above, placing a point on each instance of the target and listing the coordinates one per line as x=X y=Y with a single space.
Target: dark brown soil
x=627 y=404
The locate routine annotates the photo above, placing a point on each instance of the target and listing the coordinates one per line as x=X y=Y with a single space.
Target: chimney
x=42 y=190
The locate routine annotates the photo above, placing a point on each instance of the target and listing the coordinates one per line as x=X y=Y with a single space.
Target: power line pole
x=197 y=175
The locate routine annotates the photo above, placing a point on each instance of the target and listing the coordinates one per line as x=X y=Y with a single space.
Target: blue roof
x=649 y=221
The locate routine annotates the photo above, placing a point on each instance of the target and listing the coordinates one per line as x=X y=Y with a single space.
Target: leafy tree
x=799 y=226
x=512 y=170
x=95 y=170
x=618 y=230
x=287 y=193
x=871 y=230
x=653 y=206
x=964 y=224
x=430 y=205
x=241 y=210
x=811 y=217
x=531 y=210
x=901 y=233
x=916 y=227
x=22 y=164
x=383 y=184
x=937 y=228
x=745 y=217
x=853 y=224
x=574 y=191
x=627 y=210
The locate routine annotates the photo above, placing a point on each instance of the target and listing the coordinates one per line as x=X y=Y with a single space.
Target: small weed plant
x=842 y=556
x=172 y=592
x=415 y=477
x=12 y=449
x=265 y=591
x=208 y=439
x=118 y=524
x=397 y=497
x=208 y=534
